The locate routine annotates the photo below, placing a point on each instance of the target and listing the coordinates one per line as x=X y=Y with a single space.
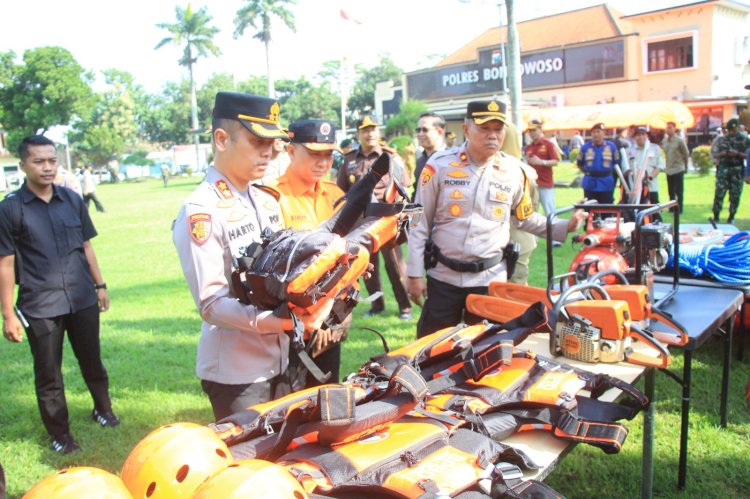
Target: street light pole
x=514 y=68
x=502 y=52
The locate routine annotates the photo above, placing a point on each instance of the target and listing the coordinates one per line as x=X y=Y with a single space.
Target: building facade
x=697 y=53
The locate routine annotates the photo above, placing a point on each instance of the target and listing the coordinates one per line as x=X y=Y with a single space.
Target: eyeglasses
x=423 y=129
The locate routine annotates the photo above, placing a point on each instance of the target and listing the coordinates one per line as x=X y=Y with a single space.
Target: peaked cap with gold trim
x=366 y=121
x=486 y=110
x=260 y=115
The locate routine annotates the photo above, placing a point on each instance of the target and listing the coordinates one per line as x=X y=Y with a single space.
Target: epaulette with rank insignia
x=268 y=190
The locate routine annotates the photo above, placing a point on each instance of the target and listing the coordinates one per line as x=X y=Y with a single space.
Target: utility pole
x=514 y=66
x=503 y=52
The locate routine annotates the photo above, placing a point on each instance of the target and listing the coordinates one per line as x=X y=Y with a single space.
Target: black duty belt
x=432 y=256
x=598 y=174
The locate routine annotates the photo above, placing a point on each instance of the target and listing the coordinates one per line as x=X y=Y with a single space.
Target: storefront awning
x=655 y=114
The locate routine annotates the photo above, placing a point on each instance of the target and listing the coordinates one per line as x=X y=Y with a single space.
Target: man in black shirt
x=431 y=136
x=45 y=247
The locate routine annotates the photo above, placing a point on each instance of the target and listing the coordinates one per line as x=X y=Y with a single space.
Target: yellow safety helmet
x=80 y=483
x=251 y=478
x=173 y=461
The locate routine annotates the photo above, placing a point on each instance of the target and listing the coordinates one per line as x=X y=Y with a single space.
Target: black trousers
x=446 y=307
x=603 y=197
x=676 y=186
x=228 y=399
x=46 y=342
x=87 y=198
x=396 y=270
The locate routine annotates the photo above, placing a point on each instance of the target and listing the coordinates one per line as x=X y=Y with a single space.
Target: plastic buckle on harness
x=268 y=428
x=508 y=471
x=485 y=483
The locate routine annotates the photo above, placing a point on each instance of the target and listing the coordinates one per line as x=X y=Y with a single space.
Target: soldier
x=676 y=155
x=597 y=160
x=450 y=139
x=732 y=152
x=645 y=157
x=307 y=199
x=471 y=196
x=243 y=351
x=356 y=165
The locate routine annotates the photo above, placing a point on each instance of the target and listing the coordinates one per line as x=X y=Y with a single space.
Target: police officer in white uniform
x=645 y=157
x=243 y=351
x=471 y=195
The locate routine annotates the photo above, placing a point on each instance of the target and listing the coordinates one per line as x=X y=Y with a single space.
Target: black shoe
x=65 y=444
x=373 y=313
x=405 y=316
x=105 y=418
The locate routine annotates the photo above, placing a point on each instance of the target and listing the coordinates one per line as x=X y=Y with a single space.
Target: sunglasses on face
x=422 y=129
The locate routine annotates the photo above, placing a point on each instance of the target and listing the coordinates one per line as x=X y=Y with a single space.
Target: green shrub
x=701 y=157
x=573 y=155
x=400 y=142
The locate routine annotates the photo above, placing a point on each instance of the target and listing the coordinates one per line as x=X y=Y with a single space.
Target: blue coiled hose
x=728 y=262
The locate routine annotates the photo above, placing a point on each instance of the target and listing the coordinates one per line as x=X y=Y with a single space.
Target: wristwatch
x=100 y=286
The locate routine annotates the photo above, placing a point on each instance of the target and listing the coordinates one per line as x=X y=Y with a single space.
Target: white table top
x=541 y=446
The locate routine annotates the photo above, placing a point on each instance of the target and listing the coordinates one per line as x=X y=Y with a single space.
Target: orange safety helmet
x=80 y=483
x=251 y=478
x=174 y=460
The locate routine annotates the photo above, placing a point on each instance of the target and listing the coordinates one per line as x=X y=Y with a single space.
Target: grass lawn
x=149 y=339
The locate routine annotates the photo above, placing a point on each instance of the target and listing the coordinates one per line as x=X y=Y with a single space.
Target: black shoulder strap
x=16 y=225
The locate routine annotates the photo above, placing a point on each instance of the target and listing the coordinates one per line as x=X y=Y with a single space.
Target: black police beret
x=260 y=115
x=486 y=110
x=733 y=123
x=316 y=135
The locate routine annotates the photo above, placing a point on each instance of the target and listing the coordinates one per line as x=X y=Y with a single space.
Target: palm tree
x=263 y=10
x=192 y=29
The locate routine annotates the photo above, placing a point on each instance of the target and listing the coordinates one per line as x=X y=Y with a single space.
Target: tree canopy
x=48 y=88
x=258 y=14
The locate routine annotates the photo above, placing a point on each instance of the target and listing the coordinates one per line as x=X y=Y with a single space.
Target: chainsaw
x=600 y=330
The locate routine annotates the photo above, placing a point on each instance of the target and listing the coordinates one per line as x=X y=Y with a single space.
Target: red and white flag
x=345 y=16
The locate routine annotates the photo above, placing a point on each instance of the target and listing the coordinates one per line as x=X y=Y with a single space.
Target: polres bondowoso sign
x=550 y=68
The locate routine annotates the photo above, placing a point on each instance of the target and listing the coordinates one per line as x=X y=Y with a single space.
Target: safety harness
x=425 y=420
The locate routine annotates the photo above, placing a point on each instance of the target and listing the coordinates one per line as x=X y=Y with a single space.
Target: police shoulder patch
x=427 y=172
x=199 y=226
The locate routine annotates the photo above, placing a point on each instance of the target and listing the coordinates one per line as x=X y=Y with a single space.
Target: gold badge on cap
x=492 y=106
x=273 y=113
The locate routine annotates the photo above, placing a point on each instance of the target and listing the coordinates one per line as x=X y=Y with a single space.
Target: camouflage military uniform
x=729 y=175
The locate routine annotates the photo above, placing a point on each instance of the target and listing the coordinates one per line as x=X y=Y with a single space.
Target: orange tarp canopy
x=655 y=114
